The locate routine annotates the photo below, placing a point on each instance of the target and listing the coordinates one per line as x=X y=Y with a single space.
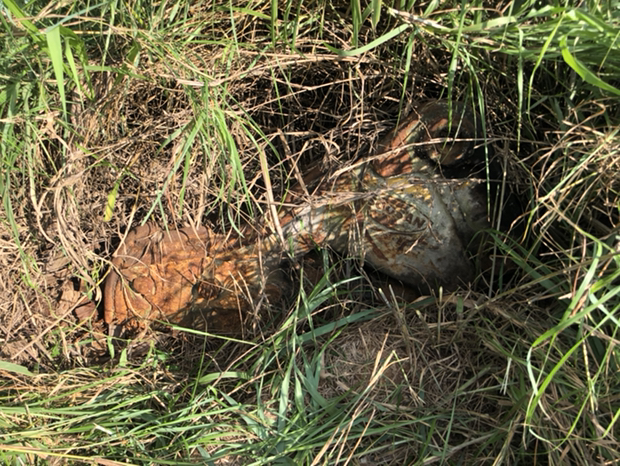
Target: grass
x=115 y=113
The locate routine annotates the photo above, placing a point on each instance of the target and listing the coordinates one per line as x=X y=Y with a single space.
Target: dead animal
x=409 y=210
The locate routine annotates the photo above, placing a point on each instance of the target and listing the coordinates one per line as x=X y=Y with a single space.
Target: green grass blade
x=372 y=45
x=54 y=46
x=15 y=368
x=587 y=75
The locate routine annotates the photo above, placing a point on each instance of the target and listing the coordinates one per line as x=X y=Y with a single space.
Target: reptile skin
x=408 y=211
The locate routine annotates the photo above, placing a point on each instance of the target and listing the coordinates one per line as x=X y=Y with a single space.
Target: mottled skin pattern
x=409 y=211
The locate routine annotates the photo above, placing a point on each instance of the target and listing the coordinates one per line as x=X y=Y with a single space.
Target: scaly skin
x=402 y=211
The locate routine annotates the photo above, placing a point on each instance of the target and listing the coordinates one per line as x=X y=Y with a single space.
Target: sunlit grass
x=116 y=113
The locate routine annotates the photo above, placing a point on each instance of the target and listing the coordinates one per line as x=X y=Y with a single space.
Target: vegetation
x=117 y=112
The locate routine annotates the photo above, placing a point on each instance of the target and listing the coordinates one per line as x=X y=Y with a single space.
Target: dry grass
x=518 y=368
